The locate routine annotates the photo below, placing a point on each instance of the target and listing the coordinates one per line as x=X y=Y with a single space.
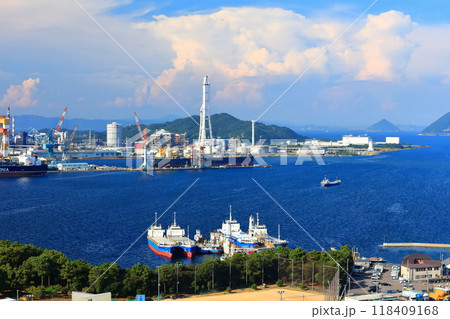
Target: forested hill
x=223 y=126
x=439 y=127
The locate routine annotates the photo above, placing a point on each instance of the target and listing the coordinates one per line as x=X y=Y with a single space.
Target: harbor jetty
x=423 y=245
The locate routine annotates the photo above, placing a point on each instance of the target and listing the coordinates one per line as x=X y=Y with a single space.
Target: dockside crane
x=52 y=136
x=72 y=135
x=60 y=122
x=143 y=133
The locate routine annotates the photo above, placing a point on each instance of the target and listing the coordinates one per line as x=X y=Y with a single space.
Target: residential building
x=417 y=267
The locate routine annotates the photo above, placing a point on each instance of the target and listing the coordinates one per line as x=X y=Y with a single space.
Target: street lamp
x=178 y=265
x=281 y=292
x=195 y=279
x=262 y=272
x=246 y=273
x=278 y=266
x=230 y=274
x=159 y=285
x=212 y=277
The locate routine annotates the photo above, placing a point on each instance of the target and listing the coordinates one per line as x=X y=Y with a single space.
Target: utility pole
x=178 y=265
x=312 y=277
x=195 y=279
x=246 y=273
x=230 y=275
x=278 y=276
x=213 y=278
x=292 y=272
x=302 y=272
x=159 y=285
x=262 y=272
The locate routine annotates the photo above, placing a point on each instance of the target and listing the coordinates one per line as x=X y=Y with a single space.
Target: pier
x=423 y=245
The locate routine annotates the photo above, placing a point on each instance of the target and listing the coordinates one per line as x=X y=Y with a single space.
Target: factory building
x=392 y=140
x=114 y=135
x=355 y=140
x=161 y=139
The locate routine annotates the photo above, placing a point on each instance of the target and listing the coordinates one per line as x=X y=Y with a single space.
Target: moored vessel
x=186 y=246
x=259 y=231
x=170 y=243
x=24 y=166
x=326 y=182
x=158 y=242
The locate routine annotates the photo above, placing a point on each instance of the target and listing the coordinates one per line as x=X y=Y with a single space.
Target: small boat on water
x=207 y=246
x=327 y=183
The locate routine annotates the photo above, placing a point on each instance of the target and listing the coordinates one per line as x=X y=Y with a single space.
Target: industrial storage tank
x=114 y=134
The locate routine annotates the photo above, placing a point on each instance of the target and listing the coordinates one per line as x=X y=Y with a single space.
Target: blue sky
x=393 y=63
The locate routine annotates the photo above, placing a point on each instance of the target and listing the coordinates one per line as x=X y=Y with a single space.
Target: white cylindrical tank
x=114 y=134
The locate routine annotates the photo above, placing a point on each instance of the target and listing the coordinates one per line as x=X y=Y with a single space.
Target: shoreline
x=363 y=152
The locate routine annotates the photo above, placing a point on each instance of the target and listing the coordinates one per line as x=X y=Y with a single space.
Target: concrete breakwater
x=426 y=245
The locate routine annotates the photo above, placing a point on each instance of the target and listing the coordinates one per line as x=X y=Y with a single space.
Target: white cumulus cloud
x=385 y=49
x=239 y=47
x=21 y=95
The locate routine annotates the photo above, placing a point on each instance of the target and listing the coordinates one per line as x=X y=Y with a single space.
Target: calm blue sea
x=403 y=196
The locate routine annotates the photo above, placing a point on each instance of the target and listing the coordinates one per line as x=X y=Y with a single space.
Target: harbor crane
x=60 y=122
x=142 y=133
x=52 y=135
x=72 y=135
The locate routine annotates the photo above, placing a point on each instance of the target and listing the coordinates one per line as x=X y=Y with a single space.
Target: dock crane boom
x=143 y=133
x=60 y=122
x=73 y=134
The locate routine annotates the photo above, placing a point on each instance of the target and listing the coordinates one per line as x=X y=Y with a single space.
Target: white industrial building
x=355 y=140
x=114 y=134
x=392 y=140
x=73 y=167
x=315 y=142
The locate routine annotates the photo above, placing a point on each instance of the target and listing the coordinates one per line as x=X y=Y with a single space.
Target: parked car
x=372 y=288
x=375 y=277
x=385 y=284
x=375 y=282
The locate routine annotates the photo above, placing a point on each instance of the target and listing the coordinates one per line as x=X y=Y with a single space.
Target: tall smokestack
x=205 y=112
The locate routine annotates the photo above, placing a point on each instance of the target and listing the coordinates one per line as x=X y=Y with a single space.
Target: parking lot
x=362 y=283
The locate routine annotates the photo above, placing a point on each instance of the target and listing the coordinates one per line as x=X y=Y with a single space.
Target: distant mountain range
x=223 y=125
x=383 y=126
x=27 y=122
x=439 y=127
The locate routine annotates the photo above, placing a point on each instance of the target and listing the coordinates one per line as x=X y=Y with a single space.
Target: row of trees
x=33 y=270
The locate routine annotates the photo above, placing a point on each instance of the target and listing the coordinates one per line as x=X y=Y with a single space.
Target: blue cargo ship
x=173 y=243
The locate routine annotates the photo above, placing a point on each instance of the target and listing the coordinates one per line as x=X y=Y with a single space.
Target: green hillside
x=224 y=126
x=383 y=126
x=439 y=127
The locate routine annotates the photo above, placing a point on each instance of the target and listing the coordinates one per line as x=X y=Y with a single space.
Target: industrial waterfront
x=97 y=216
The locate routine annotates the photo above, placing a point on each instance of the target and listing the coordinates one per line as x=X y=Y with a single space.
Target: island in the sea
x=439 y=127
x=383 y=126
